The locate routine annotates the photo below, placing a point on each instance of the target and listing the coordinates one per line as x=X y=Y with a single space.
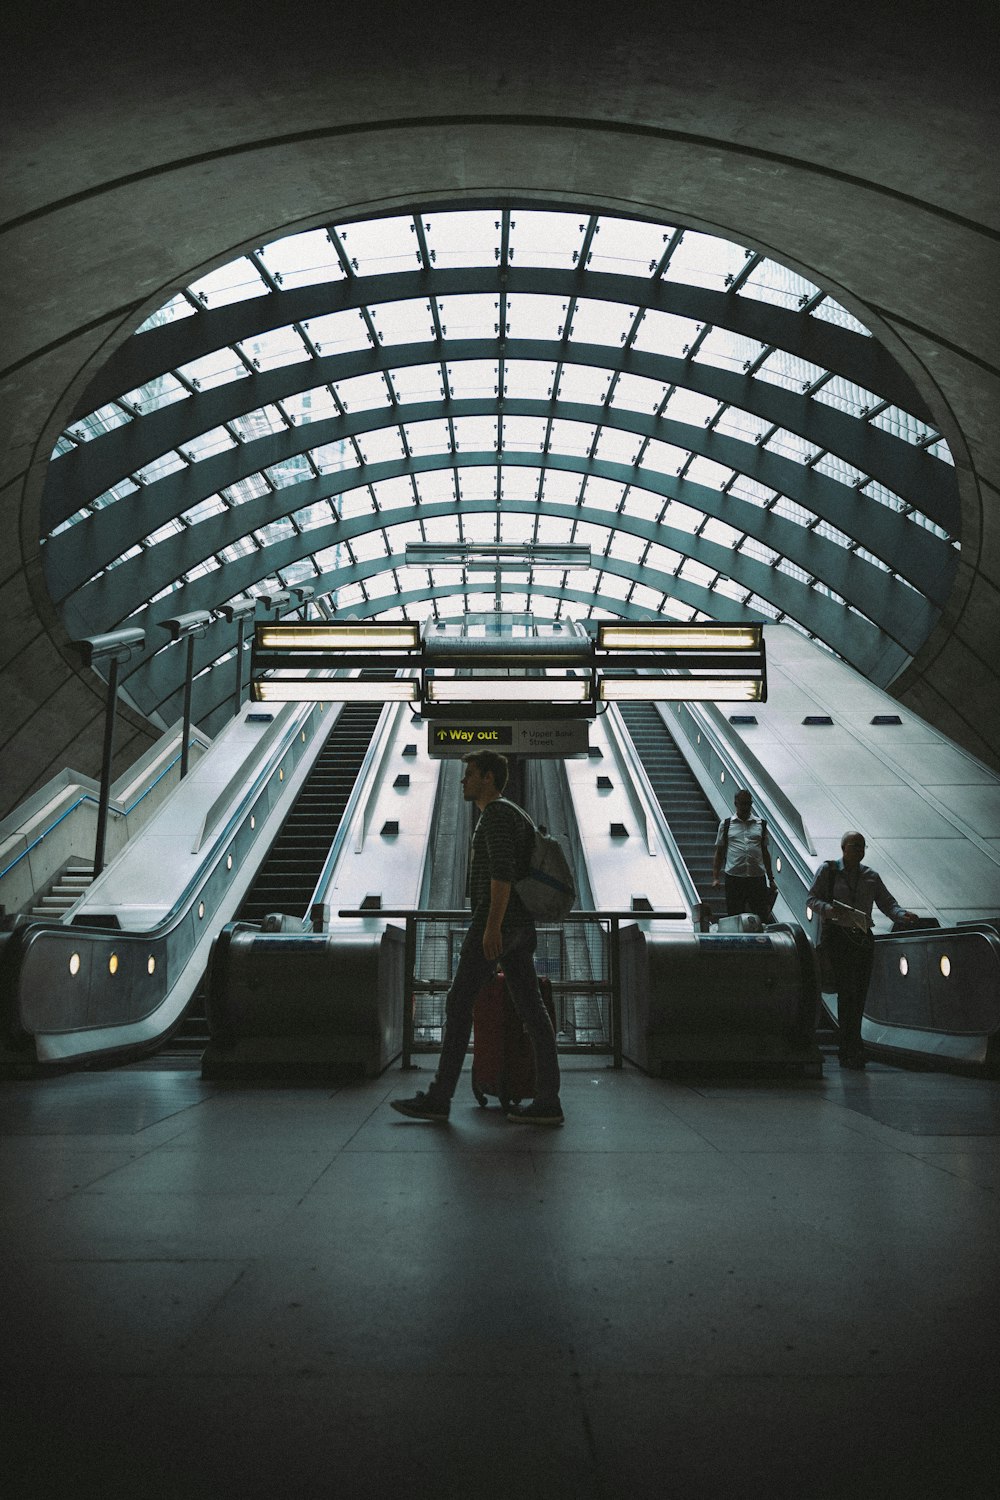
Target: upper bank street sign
x=542 y=738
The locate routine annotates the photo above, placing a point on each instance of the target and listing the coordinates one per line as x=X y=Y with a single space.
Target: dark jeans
x=474 y=969
x=853 y=956
x=747 y=893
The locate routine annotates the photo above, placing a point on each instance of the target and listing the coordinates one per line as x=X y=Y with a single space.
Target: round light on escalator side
x=904 y=967
x=945 y=965
x=113 y=964
x=150 y=965
x=74 y=963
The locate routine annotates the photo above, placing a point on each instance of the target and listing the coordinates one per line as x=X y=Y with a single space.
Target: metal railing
x=609 y=921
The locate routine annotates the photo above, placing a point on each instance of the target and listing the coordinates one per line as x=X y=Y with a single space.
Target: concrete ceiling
x=856 y=144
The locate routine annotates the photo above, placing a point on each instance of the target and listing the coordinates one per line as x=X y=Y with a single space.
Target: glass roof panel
x=463 y=238
x=362 y=393
x=665 y=333
x=706 y=261
x=532 y=315
x=597 y=322
x=707 y=472
x=665 y=458
x=475 y=316
x=211 y=370
x=99 y=422
x=470 y=378
x=177 y=307
x=339 y=332
x=417 y=383
x=208 y=443
x=538 y=238
x=741 y=424
x=571 y=437
x=376 y=246
x=476 y=434
x=273 y=350
x=530 y=379
x=637 y=393
x=771 y=282
x=728 y=350
x=829 y=311
x=615 y=447
x=691 y=406
x=627 y=247
x=428 y=437
x=561 y=487
x=255 y=424
x=236 y=281
x=789 y=371
x=307 y=259
x=408 y=322
x=163 y=391
x=310 y=406
x=524 y=433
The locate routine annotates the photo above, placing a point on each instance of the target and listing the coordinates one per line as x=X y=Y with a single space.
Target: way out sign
x=542 y=738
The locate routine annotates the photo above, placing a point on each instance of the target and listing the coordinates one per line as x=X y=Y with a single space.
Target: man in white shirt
x=743 y=855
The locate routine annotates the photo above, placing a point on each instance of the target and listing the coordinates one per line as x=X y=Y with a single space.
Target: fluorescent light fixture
x=333 y=690
x=329 y=635
x=651 y=635
x=680 y=689
x=507 y=690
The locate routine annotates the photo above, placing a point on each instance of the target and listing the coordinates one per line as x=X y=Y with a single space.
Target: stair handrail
x=640 y=786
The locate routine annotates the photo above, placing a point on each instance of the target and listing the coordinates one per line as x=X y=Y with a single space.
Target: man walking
x=501 y=929
x=743 y=851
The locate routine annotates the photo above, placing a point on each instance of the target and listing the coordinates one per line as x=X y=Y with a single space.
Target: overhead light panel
x=652 y=635
x=333 y=690
x=680 y=690
x=332 y=635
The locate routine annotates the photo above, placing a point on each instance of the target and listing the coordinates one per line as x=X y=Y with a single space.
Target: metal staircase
x=52 y=904
x=693 y=822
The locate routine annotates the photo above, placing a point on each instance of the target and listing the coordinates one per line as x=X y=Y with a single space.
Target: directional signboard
x=542 y=739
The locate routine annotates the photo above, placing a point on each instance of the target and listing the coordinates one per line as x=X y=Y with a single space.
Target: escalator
x=287 y=878
x=692 y=820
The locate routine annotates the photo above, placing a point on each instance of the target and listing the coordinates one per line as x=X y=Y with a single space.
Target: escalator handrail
x=640 y=789
x=742 y=765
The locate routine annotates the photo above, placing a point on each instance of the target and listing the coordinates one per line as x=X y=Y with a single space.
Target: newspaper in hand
x=850 y=916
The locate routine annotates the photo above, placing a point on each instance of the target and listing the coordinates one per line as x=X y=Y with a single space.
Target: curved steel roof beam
x=861 y=359
x=924 y=559
x=904 y=615
x=92 y=468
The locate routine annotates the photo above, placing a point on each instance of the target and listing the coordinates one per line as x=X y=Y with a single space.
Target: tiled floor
x=691 y=1290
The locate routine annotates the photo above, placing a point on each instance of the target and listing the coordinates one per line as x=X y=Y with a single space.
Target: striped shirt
x=501 y=850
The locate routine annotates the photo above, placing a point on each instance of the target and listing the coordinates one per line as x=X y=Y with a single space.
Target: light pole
x=115 y=647
x=187 y=626
x=238 y=612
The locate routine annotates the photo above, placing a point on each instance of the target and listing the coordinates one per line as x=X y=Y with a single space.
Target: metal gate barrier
x=579 y=956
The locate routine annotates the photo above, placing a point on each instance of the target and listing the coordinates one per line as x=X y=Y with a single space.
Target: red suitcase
x=503 y=1063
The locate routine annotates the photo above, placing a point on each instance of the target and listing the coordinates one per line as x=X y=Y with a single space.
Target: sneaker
x=537 y=1113
x=422 y=1107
